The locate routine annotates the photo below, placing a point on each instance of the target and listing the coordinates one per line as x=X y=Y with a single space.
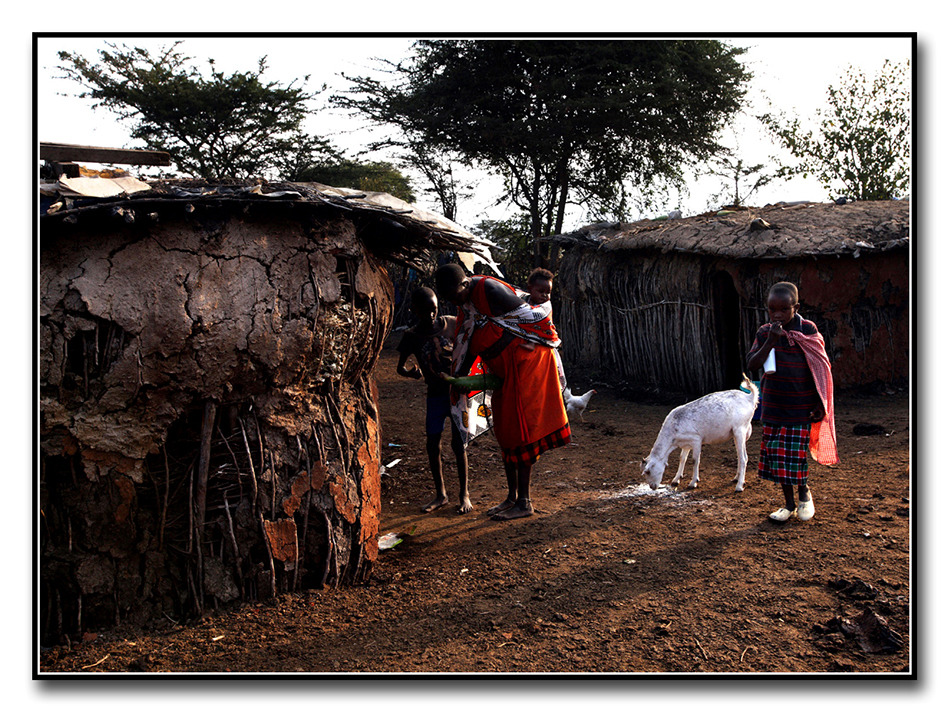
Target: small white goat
x=709 y=419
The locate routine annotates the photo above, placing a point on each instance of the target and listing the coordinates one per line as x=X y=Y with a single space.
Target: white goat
x=709 y=419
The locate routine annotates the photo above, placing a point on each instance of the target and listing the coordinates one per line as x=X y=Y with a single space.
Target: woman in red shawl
x=515 y=341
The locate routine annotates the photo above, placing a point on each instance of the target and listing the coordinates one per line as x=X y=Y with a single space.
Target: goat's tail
x=749 y=386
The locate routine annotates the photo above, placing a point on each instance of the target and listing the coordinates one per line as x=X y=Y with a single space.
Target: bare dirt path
x=606 y=577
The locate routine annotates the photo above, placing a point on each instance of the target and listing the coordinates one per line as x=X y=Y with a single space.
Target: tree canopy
x=561 y=120
x=861 y=148
x=437 y=167
x=512 y=243
x=235 y=126
x=378 y=176
x=741 y=179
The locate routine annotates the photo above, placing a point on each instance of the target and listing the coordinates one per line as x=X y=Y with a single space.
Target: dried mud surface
x=607 y=577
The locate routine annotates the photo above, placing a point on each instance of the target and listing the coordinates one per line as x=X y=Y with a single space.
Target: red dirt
x=600 y=580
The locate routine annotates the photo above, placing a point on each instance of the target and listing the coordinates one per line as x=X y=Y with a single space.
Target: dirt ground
x=606 y=577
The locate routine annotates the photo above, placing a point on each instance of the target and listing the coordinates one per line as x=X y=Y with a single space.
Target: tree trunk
x=536 y=219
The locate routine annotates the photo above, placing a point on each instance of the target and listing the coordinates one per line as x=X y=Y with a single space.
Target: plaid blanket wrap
x=783 y=457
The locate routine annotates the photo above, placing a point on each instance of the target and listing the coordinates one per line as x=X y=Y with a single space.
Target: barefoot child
x=429 y=342
x=797 y=401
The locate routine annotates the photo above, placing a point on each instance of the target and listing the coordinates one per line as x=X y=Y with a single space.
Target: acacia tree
x=561 y=120
x=437 y=167
x=236 y=125
x=741 y=179
x=862 y=145
x=511 y=238
x=298 y=163
x=372 y=176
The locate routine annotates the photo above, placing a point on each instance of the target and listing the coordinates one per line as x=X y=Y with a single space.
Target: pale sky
x=793 y=73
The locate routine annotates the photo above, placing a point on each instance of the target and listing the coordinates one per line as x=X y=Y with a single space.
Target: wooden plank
x=99 y=154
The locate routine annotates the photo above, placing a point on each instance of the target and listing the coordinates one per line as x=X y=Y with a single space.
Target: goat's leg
x=740 y=436
x=684 y=454
x=696 y=450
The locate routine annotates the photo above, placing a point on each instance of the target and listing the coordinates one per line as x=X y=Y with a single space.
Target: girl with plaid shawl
x=797 y=401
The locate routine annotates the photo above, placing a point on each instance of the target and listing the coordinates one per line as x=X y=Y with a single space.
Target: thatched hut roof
x=782 y=230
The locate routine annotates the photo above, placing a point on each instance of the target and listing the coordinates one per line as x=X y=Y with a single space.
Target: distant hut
x=673 y=305
x=209 y=428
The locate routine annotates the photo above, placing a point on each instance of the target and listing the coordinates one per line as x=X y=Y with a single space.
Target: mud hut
x=673 y=305
x=208 y=423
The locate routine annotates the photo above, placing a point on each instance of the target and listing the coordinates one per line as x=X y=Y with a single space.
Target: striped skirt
x=529 y=454
x=784 y=455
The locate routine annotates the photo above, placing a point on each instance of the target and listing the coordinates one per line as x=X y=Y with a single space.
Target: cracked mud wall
x=209 y=428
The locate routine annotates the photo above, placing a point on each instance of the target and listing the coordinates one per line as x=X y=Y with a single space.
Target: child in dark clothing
x=430 y=342
x=797 y=401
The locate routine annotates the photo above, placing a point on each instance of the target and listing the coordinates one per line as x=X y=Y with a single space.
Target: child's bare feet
x=501 y=507
x=520 y=509
x=465 y=505
x=438 y=502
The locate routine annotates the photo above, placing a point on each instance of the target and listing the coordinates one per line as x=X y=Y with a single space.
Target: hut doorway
x=725 y=303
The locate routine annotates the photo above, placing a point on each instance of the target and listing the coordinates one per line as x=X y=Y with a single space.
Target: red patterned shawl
x=823 y=442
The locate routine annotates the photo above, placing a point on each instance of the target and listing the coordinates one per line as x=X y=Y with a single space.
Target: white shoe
x=781 y=515
x=806 y=510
